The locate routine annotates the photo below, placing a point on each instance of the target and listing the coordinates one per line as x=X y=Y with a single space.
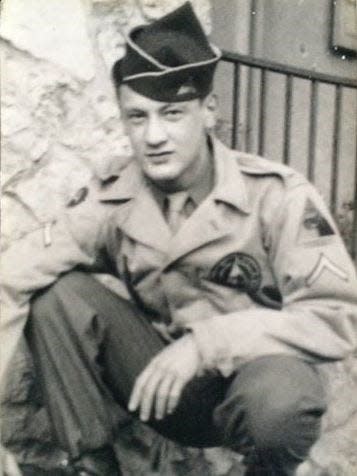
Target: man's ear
x=122 y=117
x=210 y=104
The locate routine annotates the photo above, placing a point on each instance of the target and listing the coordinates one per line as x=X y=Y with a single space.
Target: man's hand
x=8 y=465
x=160 y=384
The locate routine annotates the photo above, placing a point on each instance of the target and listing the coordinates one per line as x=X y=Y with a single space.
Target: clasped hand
x=158 y=388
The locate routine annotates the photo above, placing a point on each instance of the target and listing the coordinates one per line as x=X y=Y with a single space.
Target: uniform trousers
x=89 y=345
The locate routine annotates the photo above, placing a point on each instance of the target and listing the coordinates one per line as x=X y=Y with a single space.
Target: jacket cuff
x=215 y=355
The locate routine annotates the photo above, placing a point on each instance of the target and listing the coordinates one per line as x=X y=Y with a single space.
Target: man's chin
x=162 y=176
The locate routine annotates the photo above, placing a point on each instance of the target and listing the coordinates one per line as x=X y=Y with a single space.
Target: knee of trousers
x=66 y=297
x=275 y=402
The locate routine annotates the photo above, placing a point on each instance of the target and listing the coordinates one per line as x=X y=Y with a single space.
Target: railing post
x=262 y=113
x=312 y=131
x=335 y=149
x=287 y=119
x=354 y=211
x=235 y=106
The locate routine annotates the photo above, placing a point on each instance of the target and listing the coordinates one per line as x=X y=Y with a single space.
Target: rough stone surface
x=61 y=126
x=67 y=43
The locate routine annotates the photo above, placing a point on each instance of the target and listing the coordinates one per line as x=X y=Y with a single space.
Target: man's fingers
x=162 y=381
x=175 y=394
x=8 y=463
x=137 y=392
x=162 y=396
x=148 y=395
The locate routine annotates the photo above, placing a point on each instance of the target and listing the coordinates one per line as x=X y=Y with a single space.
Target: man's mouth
x=159 y=157
x=159 y=154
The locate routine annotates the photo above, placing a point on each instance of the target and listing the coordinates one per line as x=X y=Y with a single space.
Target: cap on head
x=170 y=59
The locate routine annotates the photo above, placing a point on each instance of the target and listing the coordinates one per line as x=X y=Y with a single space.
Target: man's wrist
x=189 y=336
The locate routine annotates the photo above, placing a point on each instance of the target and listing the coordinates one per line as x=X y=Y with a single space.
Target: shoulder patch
x=313 y=225
x=78 y=197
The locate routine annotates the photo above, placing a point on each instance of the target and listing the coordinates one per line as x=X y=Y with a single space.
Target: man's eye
x=136 y=117
x=173 y=113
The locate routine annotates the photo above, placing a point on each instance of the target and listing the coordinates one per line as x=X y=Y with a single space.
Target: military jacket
x=259 y=267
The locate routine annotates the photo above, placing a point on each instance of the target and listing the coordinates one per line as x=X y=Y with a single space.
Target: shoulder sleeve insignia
x=314 y=224
x=78 y=197
x=325 y=264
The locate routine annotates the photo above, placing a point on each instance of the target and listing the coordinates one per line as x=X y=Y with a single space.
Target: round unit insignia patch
x=239 y=271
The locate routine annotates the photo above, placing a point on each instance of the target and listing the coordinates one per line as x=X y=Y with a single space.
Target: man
x=239 y=283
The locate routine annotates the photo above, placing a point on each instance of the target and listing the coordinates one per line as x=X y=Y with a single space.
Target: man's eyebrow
x=172 y=104
x=133 y=109
x=164 y=107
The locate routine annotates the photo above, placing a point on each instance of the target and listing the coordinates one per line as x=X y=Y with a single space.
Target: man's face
x=168 y=139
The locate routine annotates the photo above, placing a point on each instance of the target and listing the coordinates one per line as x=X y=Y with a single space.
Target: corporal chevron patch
x=323 y=265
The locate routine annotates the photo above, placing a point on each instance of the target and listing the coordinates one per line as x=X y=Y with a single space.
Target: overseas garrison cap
x=170 y=59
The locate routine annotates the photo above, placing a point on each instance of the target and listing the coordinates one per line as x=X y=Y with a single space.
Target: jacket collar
x=144 y=221
x=125 y=187
x=229 y=185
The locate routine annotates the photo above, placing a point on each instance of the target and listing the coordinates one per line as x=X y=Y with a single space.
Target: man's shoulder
x=259 y=167
x=103 y=192
x=29 y=210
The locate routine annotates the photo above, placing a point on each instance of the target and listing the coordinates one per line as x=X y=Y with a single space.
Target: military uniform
x=259 y=267
x=257 y=274
x=257 y=270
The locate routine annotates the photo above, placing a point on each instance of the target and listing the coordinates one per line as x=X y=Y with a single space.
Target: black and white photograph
x=178 y=238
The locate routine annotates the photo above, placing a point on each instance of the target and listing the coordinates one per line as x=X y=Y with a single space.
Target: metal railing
x=315 y=79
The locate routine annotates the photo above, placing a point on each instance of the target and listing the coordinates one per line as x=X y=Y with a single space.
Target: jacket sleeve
x=317 y=280
x=36 y=261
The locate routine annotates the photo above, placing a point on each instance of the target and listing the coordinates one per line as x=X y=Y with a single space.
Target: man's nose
x=155 y=133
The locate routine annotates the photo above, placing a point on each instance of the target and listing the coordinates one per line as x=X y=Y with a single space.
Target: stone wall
x=60 y=127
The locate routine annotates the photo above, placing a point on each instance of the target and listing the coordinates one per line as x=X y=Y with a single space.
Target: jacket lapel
x=210 y=221
x=143 y=221
x=205 y=225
